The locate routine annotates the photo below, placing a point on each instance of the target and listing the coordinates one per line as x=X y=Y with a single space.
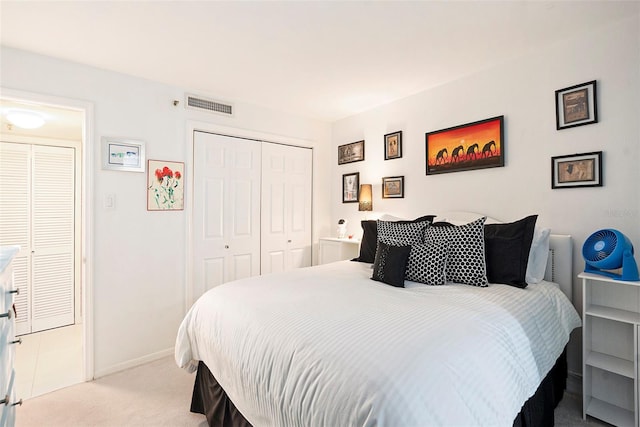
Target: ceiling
x=321 y=59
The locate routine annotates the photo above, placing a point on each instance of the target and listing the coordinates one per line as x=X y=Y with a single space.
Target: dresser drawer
x=8 y=418
x=7 y=353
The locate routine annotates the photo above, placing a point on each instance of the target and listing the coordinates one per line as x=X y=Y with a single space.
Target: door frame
x=87 y=209
x=193 y=126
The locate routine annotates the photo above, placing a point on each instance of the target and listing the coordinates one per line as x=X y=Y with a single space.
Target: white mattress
x=327 y=346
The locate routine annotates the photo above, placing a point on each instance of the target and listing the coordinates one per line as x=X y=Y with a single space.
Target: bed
x=328 y=346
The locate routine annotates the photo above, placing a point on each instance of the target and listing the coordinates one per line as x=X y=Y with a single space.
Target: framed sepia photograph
x=393 y=145
x=123 y=154
x=393 y=187
x=577 y=170
x=476 y=145
x=350 y=153
x=576 y=106
x=350 y=187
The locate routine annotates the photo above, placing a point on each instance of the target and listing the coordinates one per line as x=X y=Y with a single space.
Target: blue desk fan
x=609 y=249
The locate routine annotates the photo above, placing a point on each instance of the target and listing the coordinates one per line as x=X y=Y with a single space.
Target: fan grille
x=600 y=244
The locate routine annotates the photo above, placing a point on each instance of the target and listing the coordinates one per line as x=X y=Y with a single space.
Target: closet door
x=286 y=207
x=226 y=210
x=37 y=195
x=15 y=222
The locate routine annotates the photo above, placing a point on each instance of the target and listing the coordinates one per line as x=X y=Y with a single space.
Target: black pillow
x=369 y=242
x=507 y=251
x=390 y=264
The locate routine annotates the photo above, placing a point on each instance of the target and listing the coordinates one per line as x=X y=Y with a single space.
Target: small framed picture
x=577 y=170
x=393 y=187
x=165 y=186
x=576 y=105
x=393 y=145
x=350 y=153
x=350 y=187
x=123 y=154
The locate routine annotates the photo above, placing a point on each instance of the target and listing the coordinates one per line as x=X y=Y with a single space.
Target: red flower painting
x=166 y=190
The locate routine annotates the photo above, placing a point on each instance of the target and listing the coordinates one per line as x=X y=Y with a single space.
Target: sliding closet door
x=286 y=208
x=226 y=209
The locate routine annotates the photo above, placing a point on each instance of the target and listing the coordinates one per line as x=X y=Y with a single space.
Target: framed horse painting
x=476 y=145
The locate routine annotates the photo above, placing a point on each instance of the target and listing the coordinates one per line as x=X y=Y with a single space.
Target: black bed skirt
x=211 y=400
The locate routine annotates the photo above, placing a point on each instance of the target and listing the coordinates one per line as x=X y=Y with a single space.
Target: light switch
x=109 y=202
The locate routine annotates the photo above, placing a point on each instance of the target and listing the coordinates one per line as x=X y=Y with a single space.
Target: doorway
x=53 y=317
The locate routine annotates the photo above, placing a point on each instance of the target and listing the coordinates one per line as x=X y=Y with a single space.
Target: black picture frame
x=351 y=187
x=393 y=145
x=577 y=170
x=393 y=187
x=349 y=153
x=577 y=105
x=476 y=145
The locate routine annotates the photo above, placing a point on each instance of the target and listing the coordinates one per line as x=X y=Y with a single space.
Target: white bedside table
x=332 y=249
x=610 y=349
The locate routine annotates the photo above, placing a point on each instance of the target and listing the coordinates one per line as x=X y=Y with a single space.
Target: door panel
x=286 y=207
x=226 y=209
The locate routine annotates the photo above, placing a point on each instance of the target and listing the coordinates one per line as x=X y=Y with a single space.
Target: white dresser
x=8 y=341
x=332 y=249
x=610 y=349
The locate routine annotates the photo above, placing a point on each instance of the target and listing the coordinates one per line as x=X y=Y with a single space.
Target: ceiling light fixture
x=25 y=119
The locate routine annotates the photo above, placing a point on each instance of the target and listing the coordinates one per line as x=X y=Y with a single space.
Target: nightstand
x=610 y=348
x=332 y=249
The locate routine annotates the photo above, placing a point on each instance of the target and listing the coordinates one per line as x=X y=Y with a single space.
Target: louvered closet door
x=52 y=289
x=37 y=196
x=15 y=222
x=286 y=207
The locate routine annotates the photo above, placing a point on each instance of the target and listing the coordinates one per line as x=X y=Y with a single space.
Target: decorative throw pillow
x=507 y=251
x=465 y=257
x=369 y=241
x=427 y=263
x=402 y=233
x=538 y=255
x=390 y=264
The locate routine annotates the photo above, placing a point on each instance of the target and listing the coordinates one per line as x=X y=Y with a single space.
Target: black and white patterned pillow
x=465 y=257
x=390 y=264
x=401 y=233
x=427 y=263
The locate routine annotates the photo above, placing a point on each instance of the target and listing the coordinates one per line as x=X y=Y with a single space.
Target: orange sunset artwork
x=473 y=146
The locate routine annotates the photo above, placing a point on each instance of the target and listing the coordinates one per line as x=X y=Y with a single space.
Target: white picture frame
x=123 y=154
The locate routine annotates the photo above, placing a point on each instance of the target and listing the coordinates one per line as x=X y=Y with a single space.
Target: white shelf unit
x=332 y=249
x=610 y=349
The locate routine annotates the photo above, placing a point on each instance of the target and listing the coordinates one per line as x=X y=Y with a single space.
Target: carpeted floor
x=159 y=394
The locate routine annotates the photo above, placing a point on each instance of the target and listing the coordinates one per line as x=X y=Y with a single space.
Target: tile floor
x=48 y=360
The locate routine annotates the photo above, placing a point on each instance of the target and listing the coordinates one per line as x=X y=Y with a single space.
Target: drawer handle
x=15 y=291
x=18 y=403
x=8 y=315
x=18 y=341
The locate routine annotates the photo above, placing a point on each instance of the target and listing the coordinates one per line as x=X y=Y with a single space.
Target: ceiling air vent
x=210 y=105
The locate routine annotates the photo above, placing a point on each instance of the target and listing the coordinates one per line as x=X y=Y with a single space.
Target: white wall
x=139 y=256
x=523 y=91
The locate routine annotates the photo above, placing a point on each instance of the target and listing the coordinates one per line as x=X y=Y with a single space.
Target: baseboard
x=574 y=383
x=133 y=363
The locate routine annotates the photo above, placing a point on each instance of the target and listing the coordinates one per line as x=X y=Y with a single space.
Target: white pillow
x=387 y=217
x=538 y=254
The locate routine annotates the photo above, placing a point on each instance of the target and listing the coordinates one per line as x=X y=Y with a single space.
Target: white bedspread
x=327 y=346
